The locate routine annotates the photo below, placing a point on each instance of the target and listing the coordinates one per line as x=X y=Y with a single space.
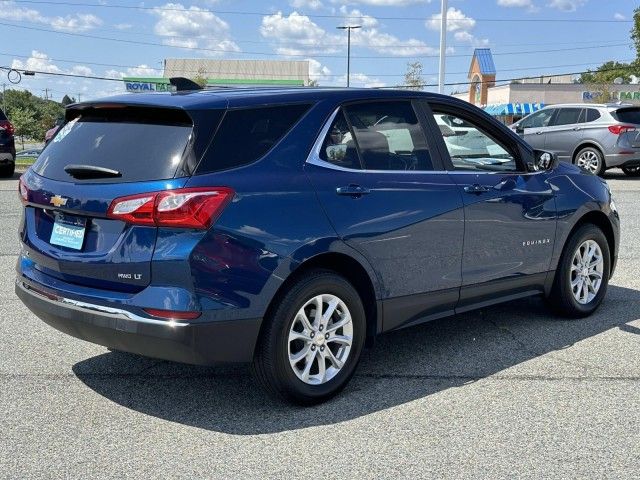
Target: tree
x=413 y=79
x=24 y=121
x=200 y=77
x=43 y=113
x=313 y=83
x=609 y=71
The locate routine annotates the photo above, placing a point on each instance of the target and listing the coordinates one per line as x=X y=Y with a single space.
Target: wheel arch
x=600 y=220
x=349 y=268
x=585 y=144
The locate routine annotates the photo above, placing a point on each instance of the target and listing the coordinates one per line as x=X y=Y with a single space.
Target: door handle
x=476 y=188
x=353 y=190
x=577 y=128
x=539 y=133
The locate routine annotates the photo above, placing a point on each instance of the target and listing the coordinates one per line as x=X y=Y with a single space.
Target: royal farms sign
x=628 y=96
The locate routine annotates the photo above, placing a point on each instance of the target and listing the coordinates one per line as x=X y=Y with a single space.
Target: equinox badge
x=58 y=201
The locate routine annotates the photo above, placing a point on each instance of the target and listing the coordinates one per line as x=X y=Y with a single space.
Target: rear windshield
x=627 y=115
x=2 y=115
x=245 y=135
x=141 y=143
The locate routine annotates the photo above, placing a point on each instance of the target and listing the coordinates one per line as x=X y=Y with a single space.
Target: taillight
x=619 y=129
x=184 y=207
x=6 y=125
x=23 y=191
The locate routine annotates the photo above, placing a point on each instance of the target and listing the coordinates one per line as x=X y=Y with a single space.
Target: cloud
x=297 y=34
x=310 y=4
x=361 y=80
x=619 y=16
x=193 y=27
x=77 y=22
x=383 y=3
x=458 y=23
x=142 y=70
x=40 y=62
x=516 y=3
x=567 y=5
x=317 y=71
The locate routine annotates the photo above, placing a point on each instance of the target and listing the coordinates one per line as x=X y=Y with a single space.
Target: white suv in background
x=594 y=137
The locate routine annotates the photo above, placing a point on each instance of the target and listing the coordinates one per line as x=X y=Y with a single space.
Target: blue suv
x=289 y=227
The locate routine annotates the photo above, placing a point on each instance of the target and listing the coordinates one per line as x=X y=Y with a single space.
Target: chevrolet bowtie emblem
x=58 y=201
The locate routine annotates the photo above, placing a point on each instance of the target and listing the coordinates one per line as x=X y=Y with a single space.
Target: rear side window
x=592 y=115
x=141 y=143
x=627 y=115
x=567 y=116
x=2 y=115
x=246 y=135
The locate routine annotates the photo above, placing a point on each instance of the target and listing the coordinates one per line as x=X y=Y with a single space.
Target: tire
x=632 y=171
x=7 y=171
x=591 y=160
x=563 y=298
x=285 y=379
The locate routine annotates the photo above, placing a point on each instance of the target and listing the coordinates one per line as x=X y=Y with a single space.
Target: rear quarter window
x=246 y=135
x=627 y=115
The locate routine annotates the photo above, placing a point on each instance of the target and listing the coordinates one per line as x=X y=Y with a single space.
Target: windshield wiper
x=84 y=172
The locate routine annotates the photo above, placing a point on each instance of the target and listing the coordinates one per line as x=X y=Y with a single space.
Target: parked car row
x=287 y=228
x=594 y=137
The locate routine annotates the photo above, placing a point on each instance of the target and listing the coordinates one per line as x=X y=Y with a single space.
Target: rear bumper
x=6 y=157
x=199 y=343
x=622 y=159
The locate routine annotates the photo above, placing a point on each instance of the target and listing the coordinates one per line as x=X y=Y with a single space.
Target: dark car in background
x=7 y=147
x=289 y=227
x=594 y=137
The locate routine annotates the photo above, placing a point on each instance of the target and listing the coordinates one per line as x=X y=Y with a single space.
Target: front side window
x=567 y=116
x=471 y=148
x=537 y=120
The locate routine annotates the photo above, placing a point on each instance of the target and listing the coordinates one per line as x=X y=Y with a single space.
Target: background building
x=520 y=97
x=225 y=73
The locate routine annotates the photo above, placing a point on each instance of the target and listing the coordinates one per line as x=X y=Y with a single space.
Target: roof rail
x=183 y=84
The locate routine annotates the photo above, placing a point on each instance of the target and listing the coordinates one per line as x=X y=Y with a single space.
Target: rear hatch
x=629 y=116
x=104 y=152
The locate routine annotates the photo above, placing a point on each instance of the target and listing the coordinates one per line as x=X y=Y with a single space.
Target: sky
x=101 y=38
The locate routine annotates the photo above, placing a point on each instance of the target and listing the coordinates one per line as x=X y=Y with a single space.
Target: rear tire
x=591 y=160
x=632 y=171
x=7 y=171
x=327 y=347
x=582 y=275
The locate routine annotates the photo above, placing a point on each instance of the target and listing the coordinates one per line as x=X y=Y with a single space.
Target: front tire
x=312 y=340
x=591 y=160
x=582 y=276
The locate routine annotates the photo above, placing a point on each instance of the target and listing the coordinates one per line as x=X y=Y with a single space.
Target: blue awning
x=513 y=109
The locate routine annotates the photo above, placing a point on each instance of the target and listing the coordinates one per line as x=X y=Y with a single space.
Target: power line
x=316 y=15
x=138 y=42
x=15 y=55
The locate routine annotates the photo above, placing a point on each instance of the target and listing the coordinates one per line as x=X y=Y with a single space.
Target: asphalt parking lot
x=506 y=392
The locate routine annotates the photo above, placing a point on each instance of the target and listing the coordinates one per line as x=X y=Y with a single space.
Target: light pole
x=443 y=45
x=348 y=28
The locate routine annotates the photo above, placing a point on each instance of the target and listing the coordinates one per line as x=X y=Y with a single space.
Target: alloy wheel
x=587 y=268
x=320 y=339
x=589 y=161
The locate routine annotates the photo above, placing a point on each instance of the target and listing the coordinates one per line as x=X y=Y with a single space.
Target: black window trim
x=314 y=155
x=513 y=146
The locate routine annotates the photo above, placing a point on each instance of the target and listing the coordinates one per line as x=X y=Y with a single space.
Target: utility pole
x=79 y=95
x=4 y=98
x=46 y=93
x=443 y=45
x=348 y=28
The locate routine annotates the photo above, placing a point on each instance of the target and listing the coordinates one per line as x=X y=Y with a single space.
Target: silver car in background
x=594 y=137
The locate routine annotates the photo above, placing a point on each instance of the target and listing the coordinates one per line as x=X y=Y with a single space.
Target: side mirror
x=543 y=160
x=519 y=128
